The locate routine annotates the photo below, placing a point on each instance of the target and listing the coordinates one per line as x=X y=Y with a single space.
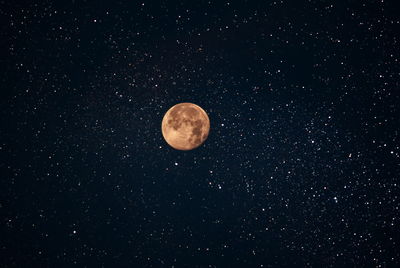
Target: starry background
x=301 y=167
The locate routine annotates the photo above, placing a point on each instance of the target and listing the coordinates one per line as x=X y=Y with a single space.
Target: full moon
x=185 y=126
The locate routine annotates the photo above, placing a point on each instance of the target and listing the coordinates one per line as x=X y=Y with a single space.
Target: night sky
x=301 y=167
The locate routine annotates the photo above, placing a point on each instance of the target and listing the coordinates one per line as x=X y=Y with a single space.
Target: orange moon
x=185 y=126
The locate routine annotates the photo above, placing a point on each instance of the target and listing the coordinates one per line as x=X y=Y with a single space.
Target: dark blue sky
x=301 y=167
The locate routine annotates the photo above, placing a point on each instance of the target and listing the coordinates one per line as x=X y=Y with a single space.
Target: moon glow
x=185 y=126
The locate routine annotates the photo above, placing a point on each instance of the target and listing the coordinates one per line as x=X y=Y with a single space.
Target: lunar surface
x=185 y=126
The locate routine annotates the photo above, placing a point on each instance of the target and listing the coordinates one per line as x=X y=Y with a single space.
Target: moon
x=185 y=126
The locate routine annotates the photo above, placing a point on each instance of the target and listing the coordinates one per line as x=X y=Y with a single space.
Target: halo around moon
x=185 y=126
